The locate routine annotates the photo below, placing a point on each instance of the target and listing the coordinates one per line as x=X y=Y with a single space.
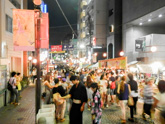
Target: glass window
x=9 y=24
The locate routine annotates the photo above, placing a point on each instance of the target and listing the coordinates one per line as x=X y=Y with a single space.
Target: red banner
x=44 y=31
x=56 y=48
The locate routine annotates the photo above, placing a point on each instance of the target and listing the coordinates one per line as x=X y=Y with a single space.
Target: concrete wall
x=100 y=21
x=134 y=32
x=133 y=9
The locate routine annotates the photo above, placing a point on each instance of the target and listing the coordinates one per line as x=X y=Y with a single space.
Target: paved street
x=25 y=113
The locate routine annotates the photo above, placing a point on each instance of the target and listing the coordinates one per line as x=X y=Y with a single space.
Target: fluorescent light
x=140 y=23
x=160 y=16
x=149 y=20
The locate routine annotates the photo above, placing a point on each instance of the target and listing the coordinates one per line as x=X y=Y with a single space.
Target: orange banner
x=116 y=63
x=23 y=30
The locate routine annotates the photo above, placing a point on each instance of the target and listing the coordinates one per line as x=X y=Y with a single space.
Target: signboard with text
x=68 y=47
x=55 y=48
x=116 y=63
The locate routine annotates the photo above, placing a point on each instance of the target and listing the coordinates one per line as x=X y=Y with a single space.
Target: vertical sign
x=23 y=30
x=44 y=31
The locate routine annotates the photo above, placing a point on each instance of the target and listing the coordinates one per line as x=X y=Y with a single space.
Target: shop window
x=9 y=24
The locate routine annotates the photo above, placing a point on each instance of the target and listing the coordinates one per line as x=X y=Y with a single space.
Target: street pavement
x=25 y=112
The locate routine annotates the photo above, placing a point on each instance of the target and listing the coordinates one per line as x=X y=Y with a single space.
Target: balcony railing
x=15 y=3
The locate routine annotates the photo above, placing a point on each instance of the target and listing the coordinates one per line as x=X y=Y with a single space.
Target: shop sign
x=117 y=63
x=68 y=47
x=56 y=48
x=138 y=45
x=57 y=52
x=23 y=30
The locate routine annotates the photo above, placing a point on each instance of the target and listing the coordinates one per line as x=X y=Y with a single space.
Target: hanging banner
x=116 y=63
x=23 y=30
x=44 y=31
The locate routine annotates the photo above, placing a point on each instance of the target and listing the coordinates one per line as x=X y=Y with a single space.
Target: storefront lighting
x=153 y=49
x=160 y=16
x=82 y=46
x=34 y=61
x=121 y=53
x=95 y=54
x=141 y=23
x=149 y=20
x=104 y=54
x=29 y=58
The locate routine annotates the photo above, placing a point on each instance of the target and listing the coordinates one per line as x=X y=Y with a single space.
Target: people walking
x=159 y=101
x=96 y=104
x=148 y=99
x=78 y=94
x=123 y=91
x=14 y=91
x=134 y=94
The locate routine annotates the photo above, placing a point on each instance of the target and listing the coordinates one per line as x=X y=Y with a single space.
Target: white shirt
x=13 y=82
x=161 y=98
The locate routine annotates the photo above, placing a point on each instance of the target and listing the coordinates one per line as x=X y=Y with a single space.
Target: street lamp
x=29 y=58
x=104 y=55
x=153 y=49
x=121 y=53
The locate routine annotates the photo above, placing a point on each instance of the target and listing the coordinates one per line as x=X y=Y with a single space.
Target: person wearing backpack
x=112 y=86
x=14 y=91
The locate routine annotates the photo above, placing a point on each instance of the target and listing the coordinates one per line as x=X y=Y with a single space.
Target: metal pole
x=38 y=84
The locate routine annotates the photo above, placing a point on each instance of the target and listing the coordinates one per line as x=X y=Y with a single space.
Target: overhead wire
x=65 y=17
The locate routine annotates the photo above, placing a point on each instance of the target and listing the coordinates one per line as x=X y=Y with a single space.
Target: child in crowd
x=96 y=104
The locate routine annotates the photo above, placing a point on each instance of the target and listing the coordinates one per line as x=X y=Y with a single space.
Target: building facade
x=14 y=60
x=141 y=28
x=92 y=29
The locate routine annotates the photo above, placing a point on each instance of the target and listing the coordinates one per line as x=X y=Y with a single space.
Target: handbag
x=130 y=101
x=57 y=99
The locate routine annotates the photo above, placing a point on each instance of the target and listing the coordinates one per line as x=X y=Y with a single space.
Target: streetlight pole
x=37 y=3
x=38 y=83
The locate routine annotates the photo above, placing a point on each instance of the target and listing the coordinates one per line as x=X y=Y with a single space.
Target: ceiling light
x=140 y=23
x=149 y=20
x=160 y=15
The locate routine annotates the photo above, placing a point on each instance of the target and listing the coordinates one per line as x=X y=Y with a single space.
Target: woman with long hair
x=89 y=92
x=123 y=91
x=96 y=104
x=134 y=93
x=48 y=88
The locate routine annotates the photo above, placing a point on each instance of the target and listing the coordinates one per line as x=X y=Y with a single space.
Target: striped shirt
x=148 y=94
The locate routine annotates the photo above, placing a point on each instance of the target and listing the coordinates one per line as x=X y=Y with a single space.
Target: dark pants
x=147 y=109
x=133 y=108
x=75 y=115
x=14 y=92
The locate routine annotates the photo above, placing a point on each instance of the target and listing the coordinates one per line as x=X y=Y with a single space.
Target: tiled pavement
x=25 y=113
x=22 y=114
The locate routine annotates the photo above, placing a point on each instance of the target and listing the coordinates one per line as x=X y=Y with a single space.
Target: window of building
x=15 y=3
x=9 y=24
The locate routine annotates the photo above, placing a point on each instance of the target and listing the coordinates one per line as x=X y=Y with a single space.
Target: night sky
x=59 y=31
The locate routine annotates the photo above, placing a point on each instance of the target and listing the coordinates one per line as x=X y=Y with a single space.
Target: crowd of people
x=101 y=88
